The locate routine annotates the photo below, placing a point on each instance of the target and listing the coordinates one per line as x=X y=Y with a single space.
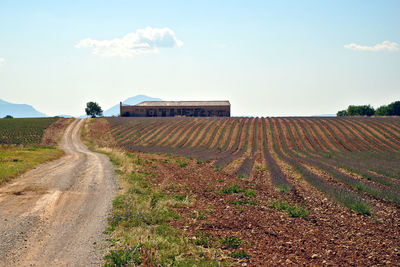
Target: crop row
x=352 y=160
x=23 y=131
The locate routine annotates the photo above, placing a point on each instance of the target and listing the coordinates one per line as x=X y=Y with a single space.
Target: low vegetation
x=15 y=160
x=26 y=143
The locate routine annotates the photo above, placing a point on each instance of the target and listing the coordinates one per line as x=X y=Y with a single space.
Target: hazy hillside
x=114 y=111
x=18 y=110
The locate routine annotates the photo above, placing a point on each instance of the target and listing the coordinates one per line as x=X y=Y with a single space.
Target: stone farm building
x=177 y=108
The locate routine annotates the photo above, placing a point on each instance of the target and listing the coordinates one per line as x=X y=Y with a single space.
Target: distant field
x=348 y=159
x=20 y=144
x=26 y=131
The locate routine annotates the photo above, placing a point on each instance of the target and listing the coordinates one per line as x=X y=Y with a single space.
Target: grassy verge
x=39 y=147
x=15 y=160
x=139 y=229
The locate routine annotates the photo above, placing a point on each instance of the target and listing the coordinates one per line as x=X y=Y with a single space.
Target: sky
x=268 y=58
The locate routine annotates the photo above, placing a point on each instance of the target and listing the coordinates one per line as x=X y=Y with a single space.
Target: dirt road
x=56 y=214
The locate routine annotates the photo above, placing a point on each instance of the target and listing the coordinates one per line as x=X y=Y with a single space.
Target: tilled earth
x=330 y=235
x=56 y=214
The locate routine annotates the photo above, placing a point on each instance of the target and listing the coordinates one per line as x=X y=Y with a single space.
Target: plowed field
x=327 y=189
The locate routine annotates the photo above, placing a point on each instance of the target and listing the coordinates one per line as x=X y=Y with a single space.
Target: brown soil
x=319 y=132
x=52 y=135
x=345 y=138
x=331 y=235
x=373 y=135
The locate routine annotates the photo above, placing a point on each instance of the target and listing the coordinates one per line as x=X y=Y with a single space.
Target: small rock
x=314 y=256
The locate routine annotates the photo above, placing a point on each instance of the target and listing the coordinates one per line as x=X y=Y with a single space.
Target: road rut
x=56 y=213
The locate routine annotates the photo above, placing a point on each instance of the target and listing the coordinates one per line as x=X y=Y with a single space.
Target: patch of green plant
x=164 y=160
x=291 y=210
x=124 y=257
x=244 y=202
x=241 y=254
x=218 y=168
x=221 y=180
x=182 y=163
x=117 y=171
x=360 y=208
x=232 y=189
x=199 y=161
x=204 y=239
x=199 y=215
x=295 y=211
x=283 y=188
x=231 y=242
x=242 y=176
x=180 y=197
x=250 y=193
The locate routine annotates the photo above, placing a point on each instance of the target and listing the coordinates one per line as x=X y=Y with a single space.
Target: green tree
x=365 y=110
x=341 y=113
x=93 y=109
x=394 y=109
x=382 y=111
x=8 y=117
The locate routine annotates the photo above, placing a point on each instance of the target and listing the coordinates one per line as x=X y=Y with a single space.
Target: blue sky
x=269 y=58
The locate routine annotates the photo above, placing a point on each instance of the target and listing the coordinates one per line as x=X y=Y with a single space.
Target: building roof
x=182 y=103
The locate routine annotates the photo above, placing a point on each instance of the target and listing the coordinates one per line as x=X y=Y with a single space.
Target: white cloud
x=1 y=61
x=146 y=40
x=384 y=46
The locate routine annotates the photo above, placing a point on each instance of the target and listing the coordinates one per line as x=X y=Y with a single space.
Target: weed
x=204 y=239
x=200 y=215
x=232 y=189
x=182 y=163
x=291 y=210
x=221 y=181
x=124 y=257
x=250 y=193
x=199 y=161
x=164 y=160
x=241 y=254
x=244 y=202
x=295 y=211
x=231 y=242
x=283 y=188
x=242 y=176
x=179 y=197
x=218 y=167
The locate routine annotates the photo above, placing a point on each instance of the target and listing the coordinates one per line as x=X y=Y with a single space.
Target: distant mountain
x=18 y=110
x=64 y=116
x=114 y=111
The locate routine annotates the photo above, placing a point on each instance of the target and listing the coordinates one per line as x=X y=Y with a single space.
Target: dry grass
x=15 y=160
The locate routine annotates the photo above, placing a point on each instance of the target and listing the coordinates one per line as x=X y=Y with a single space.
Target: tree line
x=393 y=109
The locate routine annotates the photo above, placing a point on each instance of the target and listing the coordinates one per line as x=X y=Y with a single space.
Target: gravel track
x=56 y=213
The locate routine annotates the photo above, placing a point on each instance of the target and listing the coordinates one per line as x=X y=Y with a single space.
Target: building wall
x=171 y=111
